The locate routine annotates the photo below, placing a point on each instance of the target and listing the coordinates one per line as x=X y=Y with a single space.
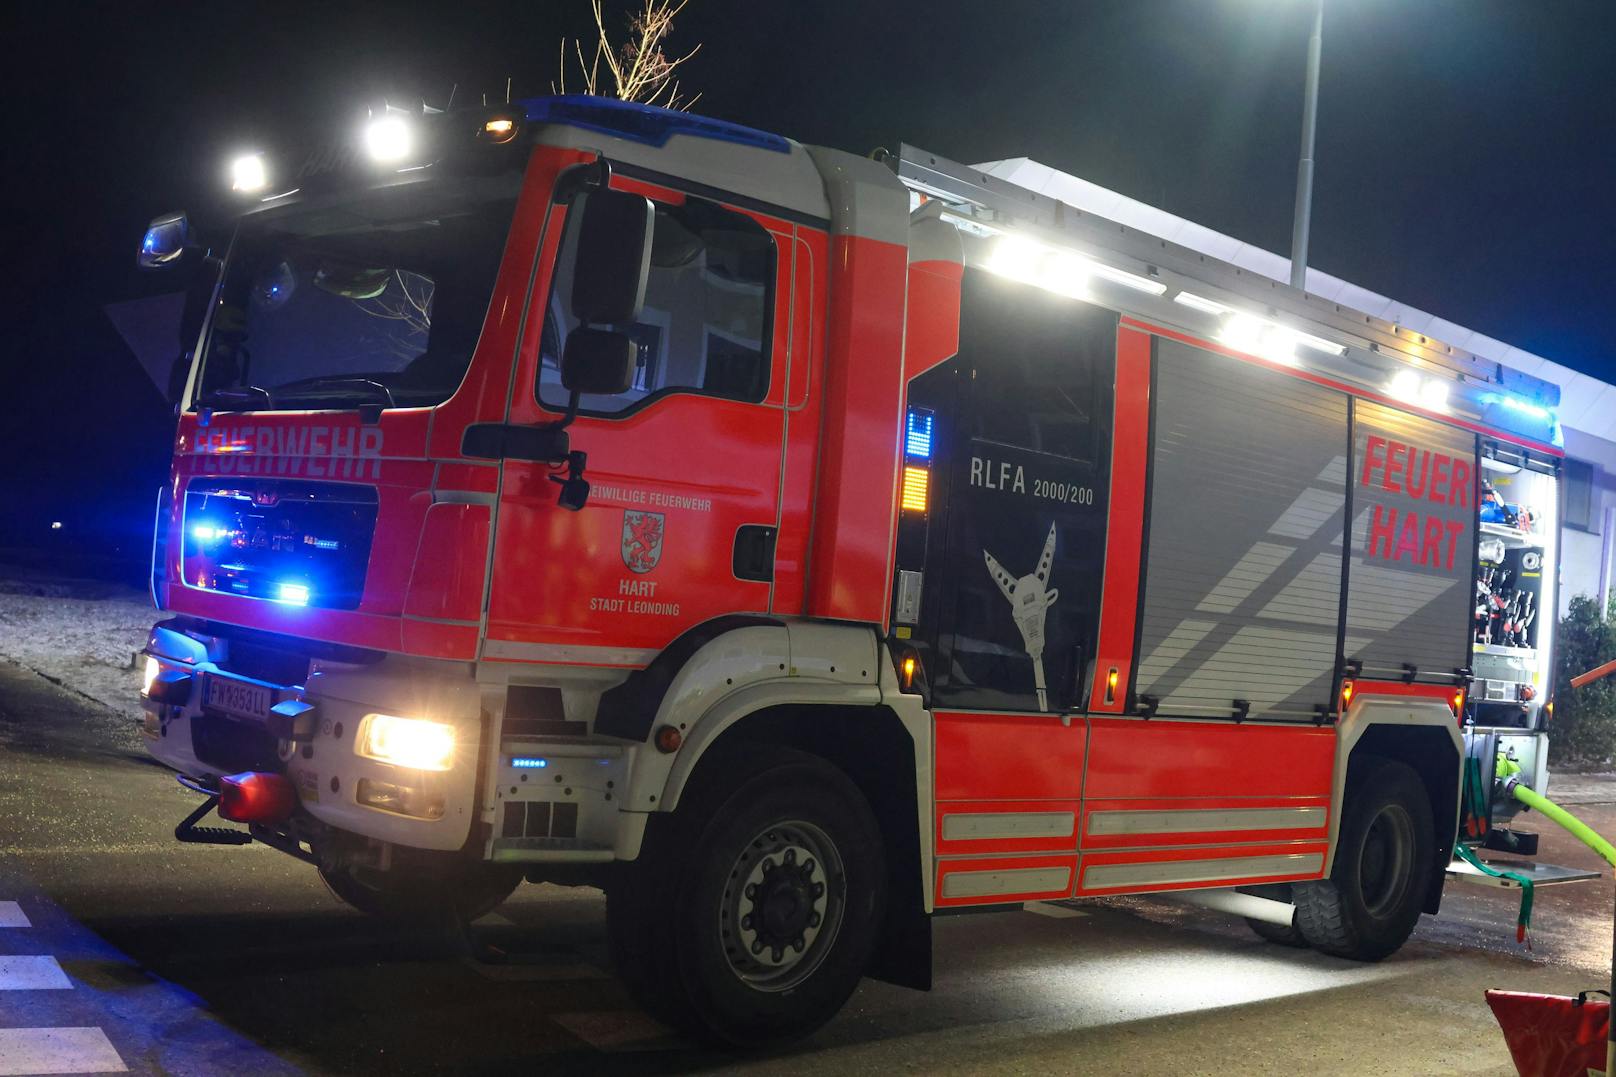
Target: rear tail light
x=256 y=797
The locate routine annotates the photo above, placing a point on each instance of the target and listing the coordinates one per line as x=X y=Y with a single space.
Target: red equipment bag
x=1552 y=1035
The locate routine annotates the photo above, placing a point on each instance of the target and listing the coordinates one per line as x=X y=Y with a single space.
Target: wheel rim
x=782 y=906
x=1385 y=863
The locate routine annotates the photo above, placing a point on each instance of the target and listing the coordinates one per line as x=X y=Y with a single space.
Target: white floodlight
x=247 y=173
x=1434 y=395
x=1135 y=281
x=388 y=138
x=1204 y=305
x=1017 y=258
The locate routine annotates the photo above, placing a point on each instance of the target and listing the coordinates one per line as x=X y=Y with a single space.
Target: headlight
x=415 y=743
x=152 y=670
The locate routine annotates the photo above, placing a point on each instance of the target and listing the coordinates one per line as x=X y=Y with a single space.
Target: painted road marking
x=57 y=1050
x=32 y=973
x=11 y=915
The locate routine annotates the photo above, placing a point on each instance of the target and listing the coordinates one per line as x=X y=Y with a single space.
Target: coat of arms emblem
x=642 y=540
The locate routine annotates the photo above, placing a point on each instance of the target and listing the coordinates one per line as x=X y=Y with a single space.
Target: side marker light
x=668 y=739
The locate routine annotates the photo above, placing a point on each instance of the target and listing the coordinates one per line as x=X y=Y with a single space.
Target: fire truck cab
x=800 y=545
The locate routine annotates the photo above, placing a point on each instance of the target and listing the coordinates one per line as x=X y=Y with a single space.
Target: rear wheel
x=1369 y=905
x=754 y=921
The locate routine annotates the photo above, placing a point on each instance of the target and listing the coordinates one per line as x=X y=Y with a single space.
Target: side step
x=1540 y=874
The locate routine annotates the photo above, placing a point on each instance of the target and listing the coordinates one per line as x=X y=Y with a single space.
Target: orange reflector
x=1548 y=711
x=1111 y=680
x=668 y=739
x=1457 y=702
x=1346 y=694
x=908 y=671
x=914 y=489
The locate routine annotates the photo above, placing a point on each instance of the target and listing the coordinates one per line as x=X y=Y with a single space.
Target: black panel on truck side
x=1015 y=540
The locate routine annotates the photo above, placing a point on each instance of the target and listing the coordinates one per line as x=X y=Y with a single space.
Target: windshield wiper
x=318 y=388
x=229 y=397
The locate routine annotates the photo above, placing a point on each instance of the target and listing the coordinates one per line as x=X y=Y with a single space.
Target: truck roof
x=1174 y=264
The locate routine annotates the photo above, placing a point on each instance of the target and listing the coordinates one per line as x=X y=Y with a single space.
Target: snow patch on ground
x=81 y=634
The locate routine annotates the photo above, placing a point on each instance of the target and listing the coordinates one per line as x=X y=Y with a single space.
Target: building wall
x=1583 y=561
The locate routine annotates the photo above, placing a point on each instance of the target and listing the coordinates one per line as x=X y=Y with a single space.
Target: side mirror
x=598 y=361
x=613 y=256
x=164 y=242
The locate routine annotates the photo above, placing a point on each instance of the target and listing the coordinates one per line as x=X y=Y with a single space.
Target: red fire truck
x=799 y=546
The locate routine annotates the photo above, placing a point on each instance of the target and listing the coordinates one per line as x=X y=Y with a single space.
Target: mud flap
x=903 y=955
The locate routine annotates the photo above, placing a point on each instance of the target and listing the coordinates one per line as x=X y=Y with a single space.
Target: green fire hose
x=1508 y=775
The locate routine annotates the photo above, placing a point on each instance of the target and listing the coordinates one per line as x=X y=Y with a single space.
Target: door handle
x=753 y=557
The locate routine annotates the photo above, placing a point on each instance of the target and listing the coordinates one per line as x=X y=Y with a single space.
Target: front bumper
x=310 y=732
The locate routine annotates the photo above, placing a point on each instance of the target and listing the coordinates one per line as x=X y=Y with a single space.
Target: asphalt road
x=120 y=947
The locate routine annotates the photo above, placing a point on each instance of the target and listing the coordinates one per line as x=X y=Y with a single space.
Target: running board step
x=1540 y=874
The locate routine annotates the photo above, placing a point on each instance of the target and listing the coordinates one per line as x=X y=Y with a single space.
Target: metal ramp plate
x=1540 y=874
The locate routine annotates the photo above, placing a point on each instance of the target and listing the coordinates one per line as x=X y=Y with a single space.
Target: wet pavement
x=123 y=948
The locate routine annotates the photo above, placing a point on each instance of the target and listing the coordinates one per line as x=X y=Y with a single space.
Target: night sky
x=1465 y=160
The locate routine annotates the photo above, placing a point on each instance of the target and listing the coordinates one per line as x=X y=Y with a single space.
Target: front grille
x=269 y=664
x=303 y=543
x=539 y=819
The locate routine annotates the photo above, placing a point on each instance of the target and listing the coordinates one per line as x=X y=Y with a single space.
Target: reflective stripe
x=1107 y=876
x=980 y=826
x=960 y=884
x=1205 y=820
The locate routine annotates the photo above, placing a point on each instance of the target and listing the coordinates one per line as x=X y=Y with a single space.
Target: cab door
x=680 y=525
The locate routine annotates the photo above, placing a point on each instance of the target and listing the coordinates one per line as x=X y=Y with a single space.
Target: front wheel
x=754 y=924
x=1369 y=905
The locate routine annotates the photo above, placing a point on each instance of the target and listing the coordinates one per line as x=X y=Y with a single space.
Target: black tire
x=1369 y=905
x=420 y=899
x=752 y=915
x=1281 y=934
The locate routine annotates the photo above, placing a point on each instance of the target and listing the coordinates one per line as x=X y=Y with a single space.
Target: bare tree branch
x=640 y=68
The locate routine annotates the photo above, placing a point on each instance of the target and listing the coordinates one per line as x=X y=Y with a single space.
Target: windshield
x=374 y=301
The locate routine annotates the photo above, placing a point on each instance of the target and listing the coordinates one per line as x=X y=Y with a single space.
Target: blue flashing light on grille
x=529 y=762
x=917 y=434
x=293 y=594
x=648 y=124
x=203 y=533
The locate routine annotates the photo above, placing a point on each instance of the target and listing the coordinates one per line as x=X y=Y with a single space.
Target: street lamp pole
x=1304 y=166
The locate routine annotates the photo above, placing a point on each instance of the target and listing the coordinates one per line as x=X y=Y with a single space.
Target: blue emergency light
x=917 y=434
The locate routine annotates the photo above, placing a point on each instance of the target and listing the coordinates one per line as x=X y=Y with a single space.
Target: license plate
x=239 y=697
